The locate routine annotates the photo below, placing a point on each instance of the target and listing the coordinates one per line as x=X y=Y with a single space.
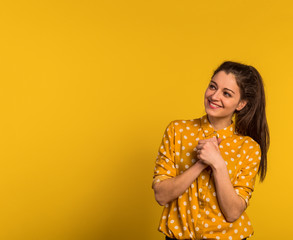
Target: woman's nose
x=215 y=95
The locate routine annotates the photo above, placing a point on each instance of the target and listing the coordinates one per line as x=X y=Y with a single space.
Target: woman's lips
x=213 y=105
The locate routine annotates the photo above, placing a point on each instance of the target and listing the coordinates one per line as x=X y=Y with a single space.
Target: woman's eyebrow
x=227 y=89
x=214 y=82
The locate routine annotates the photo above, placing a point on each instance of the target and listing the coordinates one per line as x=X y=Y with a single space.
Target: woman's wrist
x=219 y=165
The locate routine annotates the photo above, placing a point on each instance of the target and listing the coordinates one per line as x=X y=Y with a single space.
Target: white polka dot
x=206 y=225
x=179 y=141
x=219 y=226
x=177 y=153
x=194 y=207
x=200 y=189
x=192 y=134
x=185 y=137
x=219 y=214
x=249 y=223
x=207 y=199
x=230 y=237
x=181 y=130
x=231 y=225
x=198 y=215
x=183 y=148
x=186 y=166
x=213 y=219
x=196 y=229
x=214 y=207
x=183 y=121
x=214 y=194
x=228 y=144
x=184 y=203
x=175 y=209
x=217 y=237
x=190 y=144
x=172 y=221
x=235 y=230
x=187 y=154
x=238 y=155
x=188 y=211
x=176 y=123
x=241 y=236
x=181 y=160
x=224 y=231
x=245 y=229
x=176 y=227
x=168 y=172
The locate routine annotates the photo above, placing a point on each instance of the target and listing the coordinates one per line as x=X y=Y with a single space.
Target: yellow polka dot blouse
x=196 y=213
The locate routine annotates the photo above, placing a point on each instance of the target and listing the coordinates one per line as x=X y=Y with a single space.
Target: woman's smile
x=213 y=105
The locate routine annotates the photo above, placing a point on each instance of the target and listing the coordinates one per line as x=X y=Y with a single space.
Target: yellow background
x=87 y=89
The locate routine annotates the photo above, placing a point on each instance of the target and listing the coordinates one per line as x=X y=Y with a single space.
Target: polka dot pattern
x=195 y=214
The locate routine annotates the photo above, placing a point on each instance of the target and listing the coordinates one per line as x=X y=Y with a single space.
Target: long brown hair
x=251 y=120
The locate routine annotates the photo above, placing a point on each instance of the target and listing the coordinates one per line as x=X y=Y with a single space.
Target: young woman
x=206 y=168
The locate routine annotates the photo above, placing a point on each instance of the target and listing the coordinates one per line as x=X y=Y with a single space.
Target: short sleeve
x=165 y=167
x=245 y=181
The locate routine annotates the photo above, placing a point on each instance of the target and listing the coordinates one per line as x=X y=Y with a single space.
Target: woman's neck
x=219 y=123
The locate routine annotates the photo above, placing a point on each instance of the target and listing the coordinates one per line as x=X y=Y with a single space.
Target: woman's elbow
x=159 y=196
x=231 y=219
x=233 y=216
x=160 y=201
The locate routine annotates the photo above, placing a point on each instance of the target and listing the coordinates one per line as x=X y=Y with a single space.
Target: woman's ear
x=241 y=105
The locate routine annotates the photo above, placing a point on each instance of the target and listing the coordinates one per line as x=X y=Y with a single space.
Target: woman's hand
x=208 y=152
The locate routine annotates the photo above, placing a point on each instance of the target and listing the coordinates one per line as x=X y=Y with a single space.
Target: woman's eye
x=212 y=86
x=227 y=94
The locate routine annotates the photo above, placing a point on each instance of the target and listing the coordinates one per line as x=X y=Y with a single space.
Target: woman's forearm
x=231 y=204
x=170 y=189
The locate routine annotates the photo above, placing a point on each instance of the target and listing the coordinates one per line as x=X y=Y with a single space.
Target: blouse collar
x=209 y=131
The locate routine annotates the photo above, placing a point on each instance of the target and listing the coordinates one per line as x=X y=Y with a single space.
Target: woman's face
x=222 y=97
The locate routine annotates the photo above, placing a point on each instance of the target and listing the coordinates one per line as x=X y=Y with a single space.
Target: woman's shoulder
x=247 y=142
